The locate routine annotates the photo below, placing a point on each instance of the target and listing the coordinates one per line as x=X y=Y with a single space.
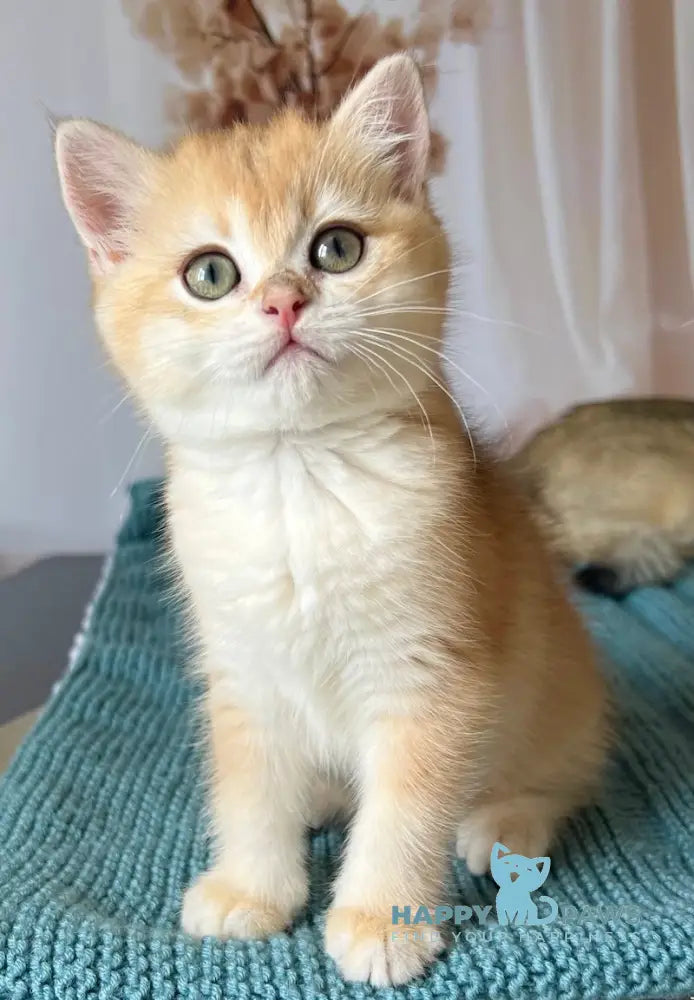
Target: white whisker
x=450 y=311
x=405 y=281
x=355 y=351
x=399 y=335
x=143 y=440
x=426 y=422
x=393 y=260
x=417 y=363
x=116 y=408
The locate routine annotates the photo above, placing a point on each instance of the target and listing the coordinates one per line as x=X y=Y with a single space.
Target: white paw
x=371 y=949
x=522 y=826
x=212 y=908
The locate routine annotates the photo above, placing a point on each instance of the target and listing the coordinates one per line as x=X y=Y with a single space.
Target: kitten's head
x=267 y=277
x=508 y=869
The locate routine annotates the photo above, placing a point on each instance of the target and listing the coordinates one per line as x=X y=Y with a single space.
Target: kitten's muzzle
x=285 y=296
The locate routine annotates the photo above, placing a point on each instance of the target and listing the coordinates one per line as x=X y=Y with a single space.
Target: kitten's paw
x=524 y=825
x=211 y=907
x=371 y=949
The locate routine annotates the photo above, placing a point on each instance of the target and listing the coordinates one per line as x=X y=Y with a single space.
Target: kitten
x=518 y=876
x=612 y=487
x=380 y=628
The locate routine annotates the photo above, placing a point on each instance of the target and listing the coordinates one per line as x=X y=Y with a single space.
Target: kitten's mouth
x=514 y=876
x=292 y=349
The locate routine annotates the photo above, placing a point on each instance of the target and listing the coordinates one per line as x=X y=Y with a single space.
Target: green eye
x=211 y=275
x=336 y=250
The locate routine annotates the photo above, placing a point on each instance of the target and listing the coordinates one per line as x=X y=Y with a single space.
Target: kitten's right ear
x=498 y=850
x=102 y=176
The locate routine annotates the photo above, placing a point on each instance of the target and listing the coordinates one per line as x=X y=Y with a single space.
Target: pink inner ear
x=97 y=257
x=413 y=153
x=102 y=175
x=99 y=217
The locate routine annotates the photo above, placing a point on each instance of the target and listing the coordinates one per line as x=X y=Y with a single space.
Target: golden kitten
x=612 y=488
x=380 y=628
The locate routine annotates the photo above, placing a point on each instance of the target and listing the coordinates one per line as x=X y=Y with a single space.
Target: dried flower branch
x=242 y=59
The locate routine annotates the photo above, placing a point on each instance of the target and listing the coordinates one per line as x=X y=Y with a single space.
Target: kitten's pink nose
x=285 y=302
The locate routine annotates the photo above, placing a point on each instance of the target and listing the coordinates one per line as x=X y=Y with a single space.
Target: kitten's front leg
x=258 y=881
x=397 y=854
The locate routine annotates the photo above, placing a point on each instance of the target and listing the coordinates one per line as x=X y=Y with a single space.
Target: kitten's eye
x=336 y=250
x=211 y=275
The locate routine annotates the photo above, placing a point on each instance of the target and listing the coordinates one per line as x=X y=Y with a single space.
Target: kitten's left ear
x=102 y=176
x=386 y=112
x=542 y=865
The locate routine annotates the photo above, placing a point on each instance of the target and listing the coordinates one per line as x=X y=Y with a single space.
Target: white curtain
x=568 y=192
x=549 y=201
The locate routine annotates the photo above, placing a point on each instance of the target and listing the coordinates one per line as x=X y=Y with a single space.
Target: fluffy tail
x=642 y=560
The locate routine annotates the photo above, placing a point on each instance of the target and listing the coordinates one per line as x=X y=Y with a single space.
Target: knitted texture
x=102 y=827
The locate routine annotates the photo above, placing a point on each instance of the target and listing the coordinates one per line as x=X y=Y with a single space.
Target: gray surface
x=41 y=608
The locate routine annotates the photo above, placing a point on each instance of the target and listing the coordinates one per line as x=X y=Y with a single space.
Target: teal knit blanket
x=102 y=827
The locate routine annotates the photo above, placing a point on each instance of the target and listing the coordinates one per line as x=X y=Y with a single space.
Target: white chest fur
x=300 y=558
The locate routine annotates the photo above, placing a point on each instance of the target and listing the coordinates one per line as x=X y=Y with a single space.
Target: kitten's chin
x=301 y=391
x=290 y=356
x=291 y=398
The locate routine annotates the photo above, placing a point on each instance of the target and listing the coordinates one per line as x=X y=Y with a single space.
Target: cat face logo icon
x=518 y=876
